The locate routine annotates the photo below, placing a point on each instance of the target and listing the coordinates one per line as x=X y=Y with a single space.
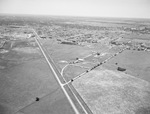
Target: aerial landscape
x=102 y=63
x=74 y=57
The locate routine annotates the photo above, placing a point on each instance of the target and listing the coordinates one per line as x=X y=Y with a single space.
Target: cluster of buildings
x=140 y=29
x=139 y=46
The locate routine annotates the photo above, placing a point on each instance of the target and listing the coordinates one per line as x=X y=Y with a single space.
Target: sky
x=96 y=8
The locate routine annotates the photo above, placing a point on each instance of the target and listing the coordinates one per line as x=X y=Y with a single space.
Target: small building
x=121 y=69
x=43 y=37
x=67 y=42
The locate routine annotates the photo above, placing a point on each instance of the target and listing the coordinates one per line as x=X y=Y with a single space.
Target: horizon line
x=79 y=16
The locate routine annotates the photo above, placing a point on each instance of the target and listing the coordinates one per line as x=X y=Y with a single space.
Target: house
x=68 y=42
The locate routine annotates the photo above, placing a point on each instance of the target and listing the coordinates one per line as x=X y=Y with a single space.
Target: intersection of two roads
x=71 y=95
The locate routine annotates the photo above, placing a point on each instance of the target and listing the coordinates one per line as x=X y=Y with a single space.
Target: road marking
x=61 y=85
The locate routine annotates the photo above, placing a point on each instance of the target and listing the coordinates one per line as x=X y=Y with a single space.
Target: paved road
x=75 y=101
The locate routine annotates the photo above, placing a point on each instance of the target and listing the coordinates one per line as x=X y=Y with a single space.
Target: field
x=112 y=92
x=105 y=60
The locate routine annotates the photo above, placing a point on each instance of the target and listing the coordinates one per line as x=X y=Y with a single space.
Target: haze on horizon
x=98 y=8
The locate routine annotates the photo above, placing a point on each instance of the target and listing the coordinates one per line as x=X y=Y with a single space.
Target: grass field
x=112 y=92
x=136 y=63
